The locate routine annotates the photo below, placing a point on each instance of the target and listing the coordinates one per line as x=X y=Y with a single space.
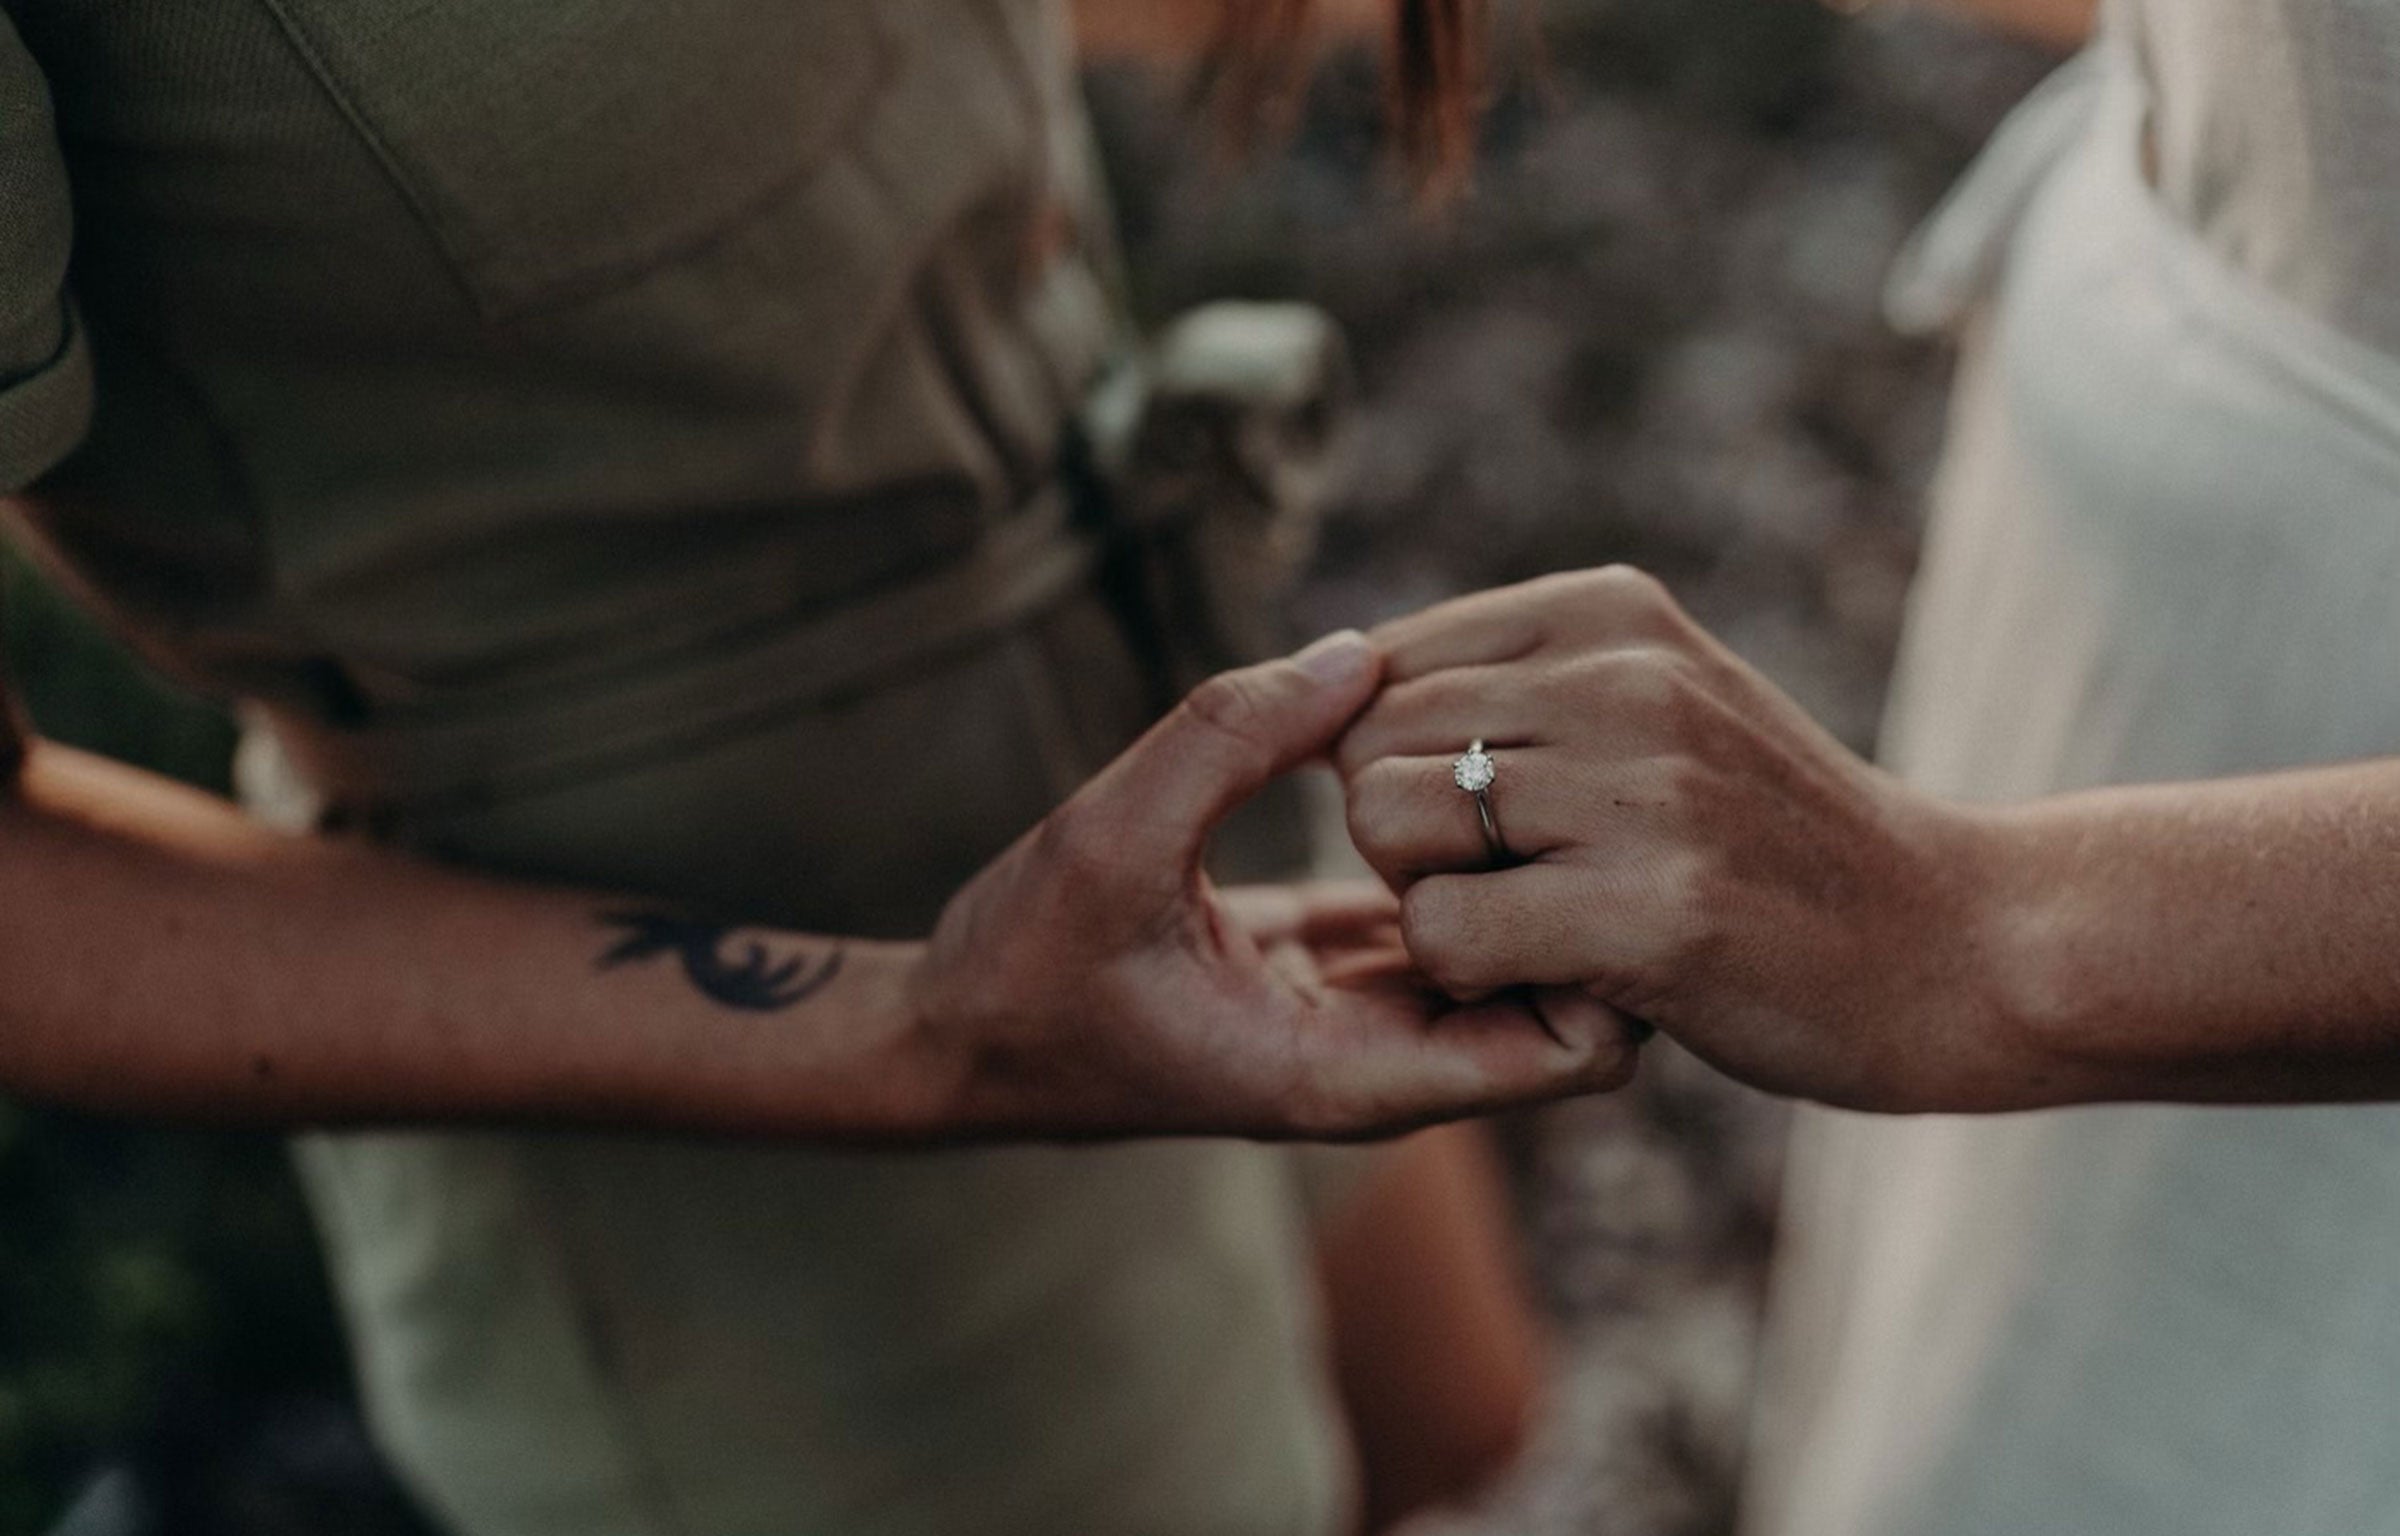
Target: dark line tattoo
x=753 y=980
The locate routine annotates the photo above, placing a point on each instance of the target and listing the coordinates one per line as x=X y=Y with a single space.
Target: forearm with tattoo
x=762 y=979
x=156 y=945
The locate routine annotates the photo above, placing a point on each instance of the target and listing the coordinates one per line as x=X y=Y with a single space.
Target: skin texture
x=1698 y=855
x=1090 y=983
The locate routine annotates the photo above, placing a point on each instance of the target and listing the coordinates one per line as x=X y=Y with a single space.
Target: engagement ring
x=1474 y=773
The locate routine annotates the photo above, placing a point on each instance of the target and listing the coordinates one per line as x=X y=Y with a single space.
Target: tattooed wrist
x=735 y=965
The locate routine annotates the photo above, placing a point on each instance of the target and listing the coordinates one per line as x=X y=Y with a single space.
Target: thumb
x=1230 y=736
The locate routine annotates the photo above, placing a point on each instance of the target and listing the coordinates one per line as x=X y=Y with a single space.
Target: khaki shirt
x=611 y=441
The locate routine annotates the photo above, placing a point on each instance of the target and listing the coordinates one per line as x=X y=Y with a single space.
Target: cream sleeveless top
x=2166 y=545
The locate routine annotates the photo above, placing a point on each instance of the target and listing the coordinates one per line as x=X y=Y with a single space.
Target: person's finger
x=1358 y=927
x=1612 y=700
x=1381 y=962
x=1612 y=604
x=1311 y=911
x=1270 y=914
x=1442 y=714
x=1480 y=629
x=1222 y=744
x=1292 y=960
x=1530 y=926
x=1534 y=1053
x=1395 y=1068
x=1337 y=909
x=1407 y=816
x=1572 y=1012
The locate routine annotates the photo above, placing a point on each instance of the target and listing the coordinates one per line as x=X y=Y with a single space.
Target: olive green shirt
x=593 y=432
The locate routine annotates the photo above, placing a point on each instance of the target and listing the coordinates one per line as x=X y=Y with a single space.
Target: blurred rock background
x=1649 y=334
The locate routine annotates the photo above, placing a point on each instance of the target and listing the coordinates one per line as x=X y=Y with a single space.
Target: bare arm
x=1702 y=856
x=2236 y=940
x=166 y=956
x=162 y=955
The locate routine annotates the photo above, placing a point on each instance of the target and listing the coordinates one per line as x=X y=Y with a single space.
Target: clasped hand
x=1683 y=845
x=1685 y=852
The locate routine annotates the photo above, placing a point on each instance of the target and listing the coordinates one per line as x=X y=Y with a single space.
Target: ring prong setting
x=1473 y=772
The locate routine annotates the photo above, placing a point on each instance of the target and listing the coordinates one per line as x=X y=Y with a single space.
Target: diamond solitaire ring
x=1474 y=773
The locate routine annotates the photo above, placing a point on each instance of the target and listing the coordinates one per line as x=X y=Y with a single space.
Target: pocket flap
x=558 y=147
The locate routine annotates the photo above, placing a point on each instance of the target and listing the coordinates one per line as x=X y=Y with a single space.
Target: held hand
x=1685 y=844
x=1092 y=981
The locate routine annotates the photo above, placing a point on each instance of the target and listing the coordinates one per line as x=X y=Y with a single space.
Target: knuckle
x=1229 y=704
x=1557 y=605
x=1430 y=926
x=1684 y=894
x=1612 y=1063
x=1370 y=835
x=1421 y=919
x=1679 y=881
x=1073 y=840
x=1470 y=695
x=1655 y=685
x=1357 y=751
x=1370 y=805
x=1628 y=581
x=1410 y=703
x=1636 y=602
x=1621 y=681
x=1682 y=786
x=1628 y=589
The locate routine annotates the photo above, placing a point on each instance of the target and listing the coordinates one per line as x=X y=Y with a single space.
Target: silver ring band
x=1491 y=826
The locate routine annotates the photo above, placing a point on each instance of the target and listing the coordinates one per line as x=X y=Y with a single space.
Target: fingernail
x=1338 y=658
